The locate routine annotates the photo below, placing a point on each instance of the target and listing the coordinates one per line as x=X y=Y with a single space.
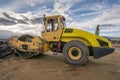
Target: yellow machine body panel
x=87 y=38
x=36 y=45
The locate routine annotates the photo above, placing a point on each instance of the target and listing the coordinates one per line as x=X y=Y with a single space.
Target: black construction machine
x=5 y=49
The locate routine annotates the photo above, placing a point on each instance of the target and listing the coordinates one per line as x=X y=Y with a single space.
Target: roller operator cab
x=75 y=44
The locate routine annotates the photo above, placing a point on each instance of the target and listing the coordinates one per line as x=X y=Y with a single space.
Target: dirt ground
x=53 y=67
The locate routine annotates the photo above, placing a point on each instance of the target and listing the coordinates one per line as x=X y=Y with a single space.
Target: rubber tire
x=81 y=46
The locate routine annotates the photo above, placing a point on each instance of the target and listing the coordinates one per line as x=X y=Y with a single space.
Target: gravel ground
x=53 y=67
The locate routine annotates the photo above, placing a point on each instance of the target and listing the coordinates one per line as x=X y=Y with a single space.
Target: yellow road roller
x=75 y=44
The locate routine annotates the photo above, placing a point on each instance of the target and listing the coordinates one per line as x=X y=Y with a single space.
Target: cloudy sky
x=82 y=14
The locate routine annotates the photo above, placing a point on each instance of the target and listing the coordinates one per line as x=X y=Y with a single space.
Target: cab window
x=52 y=25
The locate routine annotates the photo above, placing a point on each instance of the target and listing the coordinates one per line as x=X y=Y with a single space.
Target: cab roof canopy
x=54 y=16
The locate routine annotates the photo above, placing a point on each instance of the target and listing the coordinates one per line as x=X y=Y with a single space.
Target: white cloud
x=24 y=28
x=62 y=7
x=90 y=6
x=108 y=16
x=18 y=4
x=32 y=4
x=102 y=13
x=110 y=29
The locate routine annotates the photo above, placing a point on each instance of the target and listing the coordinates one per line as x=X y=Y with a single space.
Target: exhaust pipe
x=97 y=30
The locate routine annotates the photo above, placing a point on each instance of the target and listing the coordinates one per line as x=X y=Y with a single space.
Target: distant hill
x=112 y=38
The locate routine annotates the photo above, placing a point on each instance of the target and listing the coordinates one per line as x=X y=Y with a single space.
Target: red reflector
x=59 y=46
